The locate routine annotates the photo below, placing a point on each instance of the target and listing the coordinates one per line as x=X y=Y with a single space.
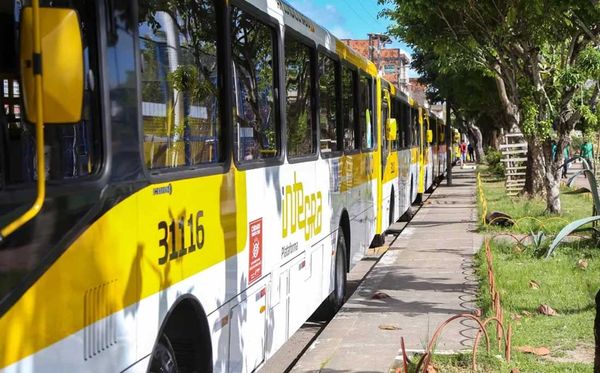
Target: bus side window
x=407 y=125
x=180 y=92
x=414 y=114
x=301 y=135
x=348 y=108
x=255 y=116
x=385 y=114
x=397 y=113
x=328 y=104
x=366 y=117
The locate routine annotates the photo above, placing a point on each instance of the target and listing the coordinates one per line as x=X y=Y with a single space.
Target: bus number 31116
x=191 y=228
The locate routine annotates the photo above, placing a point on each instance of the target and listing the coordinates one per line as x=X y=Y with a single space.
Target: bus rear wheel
x=163 y=357
x=334 y=301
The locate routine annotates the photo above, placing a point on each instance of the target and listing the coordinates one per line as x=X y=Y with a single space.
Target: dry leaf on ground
x=516 y=317
x=515 y=370
x=539 y=351
x=526 y=313
x=389 y=327
x=545 y=309
x=534 y=284
x=582 y=263
x=380 y=295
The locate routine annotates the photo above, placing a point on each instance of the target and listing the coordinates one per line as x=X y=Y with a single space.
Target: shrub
x=493 y=158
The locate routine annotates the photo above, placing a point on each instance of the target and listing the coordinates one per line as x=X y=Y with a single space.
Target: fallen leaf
x=515 y=370
x=389 y=327
x=380 y=295
x=526 y=313
x=534 y=284
x=545 y=309
x=516 y=317
x=582 y=263
x=539 y=351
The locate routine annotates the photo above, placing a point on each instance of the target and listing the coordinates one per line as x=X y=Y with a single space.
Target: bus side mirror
x=392 y=129
x=429 y=136
x=61 y=65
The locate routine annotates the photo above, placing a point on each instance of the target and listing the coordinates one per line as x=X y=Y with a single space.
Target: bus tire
x=163 y=357
x=335 y=300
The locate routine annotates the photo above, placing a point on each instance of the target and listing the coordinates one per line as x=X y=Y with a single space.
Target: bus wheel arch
x=186 y=332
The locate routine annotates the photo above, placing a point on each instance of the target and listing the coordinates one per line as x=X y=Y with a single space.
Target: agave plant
x=578 y=224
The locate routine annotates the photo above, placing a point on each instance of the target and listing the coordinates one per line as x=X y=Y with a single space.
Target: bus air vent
x=99 y=332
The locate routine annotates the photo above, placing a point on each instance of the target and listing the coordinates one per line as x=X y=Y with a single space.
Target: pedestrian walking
x=566 y=163
x=463 y=153
x=471 y=152
x=586 y=151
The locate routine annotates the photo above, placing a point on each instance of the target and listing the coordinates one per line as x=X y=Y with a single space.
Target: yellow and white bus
x=183 y=183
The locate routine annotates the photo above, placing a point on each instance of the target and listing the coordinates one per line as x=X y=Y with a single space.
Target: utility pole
x=448 y=139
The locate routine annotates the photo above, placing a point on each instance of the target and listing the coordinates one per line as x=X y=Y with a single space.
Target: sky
x=349 y=19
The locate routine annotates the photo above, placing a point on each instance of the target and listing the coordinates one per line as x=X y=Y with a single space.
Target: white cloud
x=327 y=16
x=341 y=33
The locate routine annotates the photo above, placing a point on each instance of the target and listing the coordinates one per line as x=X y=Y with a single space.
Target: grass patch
x=564 y=286
x=530 y=213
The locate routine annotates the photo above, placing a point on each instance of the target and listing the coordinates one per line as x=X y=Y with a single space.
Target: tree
x=540 y=53
x=470 y=92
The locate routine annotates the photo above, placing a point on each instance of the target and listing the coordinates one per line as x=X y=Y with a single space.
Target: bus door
x=385 y=115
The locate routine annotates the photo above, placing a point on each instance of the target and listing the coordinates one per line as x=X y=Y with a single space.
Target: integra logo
x=167 y=189
x=300 y=211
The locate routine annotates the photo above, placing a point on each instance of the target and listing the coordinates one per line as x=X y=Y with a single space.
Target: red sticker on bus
x=255 y=251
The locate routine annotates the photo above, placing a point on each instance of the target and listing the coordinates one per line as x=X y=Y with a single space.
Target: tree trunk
x=479 y=155
x=535 y=173
x=552 y=178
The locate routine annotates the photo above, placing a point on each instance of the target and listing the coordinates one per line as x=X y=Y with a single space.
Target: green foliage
x=493 y=158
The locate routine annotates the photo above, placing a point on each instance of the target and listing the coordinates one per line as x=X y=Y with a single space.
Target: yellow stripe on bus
x=354 y=58
x=122 y=248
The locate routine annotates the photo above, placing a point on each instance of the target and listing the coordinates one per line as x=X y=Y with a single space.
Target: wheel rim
x=163 y=359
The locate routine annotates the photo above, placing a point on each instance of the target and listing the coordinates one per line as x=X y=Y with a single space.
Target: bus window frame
x=414 y=125
x=162 y=175
x=357 y=135
x=385 y=144
x=372 y=91
x=278 y=85
x=25 y=191
x=302 y=39
x=338 y=103
x=407 y=124
x=397 y=144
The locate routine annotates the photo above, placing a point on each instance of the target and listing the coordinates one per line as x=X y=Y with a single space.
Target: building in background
x=393 y=65
x=391 y=62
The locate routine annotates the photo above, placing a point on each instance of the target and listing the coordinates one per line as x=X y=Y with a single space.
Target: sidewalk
x=425 y=277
